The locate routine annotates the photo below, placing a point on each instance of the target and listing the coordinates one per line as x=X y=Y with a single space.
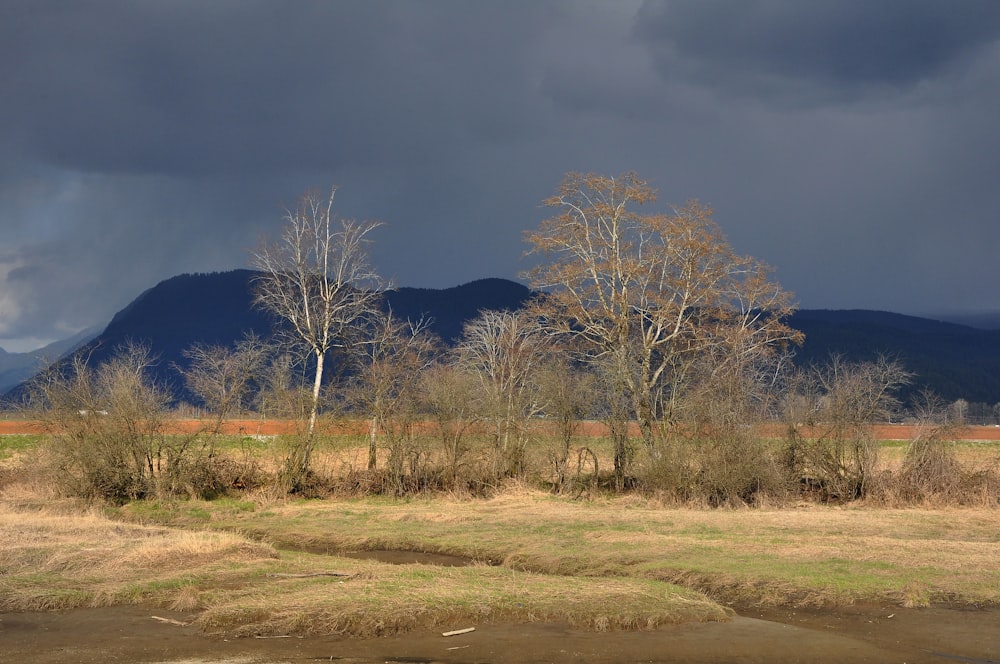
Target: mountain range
x=955 y=361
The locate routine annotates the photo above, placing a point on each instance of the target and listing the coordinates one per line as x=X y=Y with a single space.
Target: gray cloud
x=853 y=145
x=182 y=88
x=832 y=50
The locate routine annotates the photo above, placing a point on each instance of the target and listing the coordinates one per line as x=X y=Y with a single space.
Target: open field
x=261 y=577
x=838 y=580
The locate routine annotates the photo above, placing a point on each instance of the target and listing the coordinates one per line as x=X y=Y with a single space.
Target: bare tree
x=503 y=349
x=448 y=395
x=318 y=279
x=649 y=292
x=281 y=392
x=566 y=391
x=841 y=399
x=734 y=383
x=392 y=358
x=960 y=411
x=860 y=393
x=614 y=408
x=930 y=466
x=223 y=377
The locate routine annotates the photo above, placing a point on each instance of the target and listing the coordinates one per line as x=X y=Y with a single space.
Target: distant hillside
x=954 y=360
x=209 y=308
x=987 y=320
x=218 y=309
x=16 y=368
x=451 y=308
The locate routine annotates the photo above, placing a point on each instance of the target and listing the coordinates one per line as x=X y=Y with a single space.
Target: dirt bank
x=856 y=634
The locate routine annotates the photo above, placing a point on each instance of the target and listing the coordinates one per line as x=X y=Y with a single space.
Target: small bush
x=723 y=468
x=739 y=470
x=981 y=488
x=107 y=434
x=212 y=477
x=930 y=469
x=835 y=467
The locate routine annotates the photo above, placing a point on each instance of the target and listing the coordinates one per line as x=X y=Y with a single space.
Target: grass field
x=811 y=555
x=268 y=565
x=239 y=586
x=244 y=568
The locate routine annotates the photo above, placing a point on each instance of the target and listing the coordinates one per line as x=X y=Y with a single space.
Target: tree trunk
x=372 y=446
x=317 y=385
x=298 y=461
x=619 y=436
x=643 y=400
x=644 y=415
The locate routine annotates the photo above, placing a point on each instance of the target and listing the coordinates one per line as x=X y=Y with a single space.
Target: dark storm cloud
x=134 y=122
x=143 y=139
x=842 y=49
x=856 y=132
x=186 y=87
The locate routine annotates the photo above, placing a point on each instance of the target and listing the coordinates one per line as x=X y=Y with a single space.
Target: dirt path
x=130 y=634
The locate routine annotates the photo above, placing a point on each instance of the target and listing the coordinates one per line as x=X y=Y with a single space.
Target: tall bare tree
x=504 y=349
x=649 y=291
x=319 y=280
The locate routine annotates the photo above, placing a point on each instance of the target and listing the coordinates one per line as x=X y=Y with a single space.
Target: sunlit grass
x=241 y=564
x=239 y=586
x=383 y=599
x=807 y=556
x=53 y=560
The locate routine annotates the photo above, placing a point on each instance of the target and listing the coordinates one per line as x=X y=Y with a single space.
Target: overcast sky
x=852 y=144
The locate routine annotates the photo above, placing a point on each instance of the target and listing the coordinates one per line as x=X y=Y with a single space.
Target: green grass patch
x=11 y=444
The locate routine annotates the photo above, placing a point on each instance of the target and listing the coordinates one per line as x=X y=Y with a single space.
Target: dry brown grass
x=236 y=586
x=26 y=475
x=606 y=563
x=53 y=560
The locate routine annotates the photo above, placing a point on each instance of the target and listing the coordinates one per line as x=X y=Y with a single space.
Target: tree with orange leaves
x=651 y=294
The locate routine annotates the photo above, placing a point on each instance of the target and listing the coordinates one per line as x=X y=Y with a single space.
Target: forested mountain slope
x=955 y=361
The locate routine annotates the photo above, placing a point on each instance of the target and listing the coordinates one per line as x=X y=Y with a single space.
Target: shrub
x=107 y=433
x=930 y=468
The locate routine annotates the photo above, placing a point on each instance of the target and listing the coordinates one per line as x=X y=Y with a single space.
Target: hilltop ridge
x=954 y=360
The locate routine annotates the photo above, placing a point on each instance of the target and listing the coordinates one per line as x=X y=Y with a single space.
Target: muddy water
x=866 y=634
x=409 y=558
x=388 y=556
